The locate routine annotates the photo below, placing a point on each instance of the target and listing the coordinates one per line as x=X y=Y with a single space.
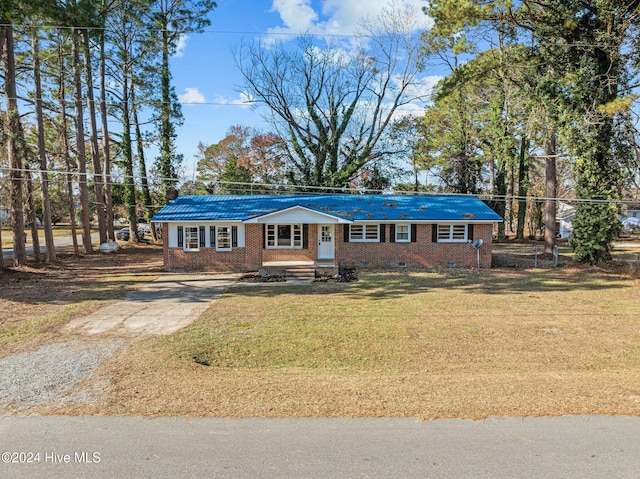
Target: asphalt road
x=62 y=243
x=131 y=447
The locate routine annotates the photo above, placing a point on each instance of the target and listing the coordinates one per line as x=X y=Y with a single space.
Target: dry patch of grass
x=36 y=301
x=431 y=344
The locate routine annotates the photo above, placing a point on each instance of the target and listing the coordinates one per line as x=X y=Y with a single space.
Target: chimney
x=172 y=194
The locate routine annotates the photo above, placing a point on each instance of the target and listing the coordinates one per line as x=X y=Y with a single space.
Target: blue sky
x=206 y=79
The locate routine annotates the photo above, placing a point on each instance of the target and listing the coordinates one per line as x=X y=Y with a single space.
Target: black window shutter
x=234 y=236
x=470 y=232
x=414 y=233
x=346 y=233
x=264 y=236
x=392 y=233
x=434 y=233
x=383 y=233
x=212 y=236
x=305 y=236
x=180 y=236
x=203 y=241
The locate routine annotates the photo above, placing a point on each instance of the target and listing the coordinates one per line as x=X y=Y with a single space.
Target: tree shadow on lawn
x=86 y=278
x=389 y=284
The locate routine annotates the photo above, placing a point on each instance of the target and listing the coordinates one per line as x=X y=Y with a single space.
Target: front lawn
x=429 y=344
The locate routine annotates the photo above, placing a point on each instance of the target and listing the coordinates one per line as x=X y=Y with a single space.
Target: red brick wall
x=422 y=253
x=253 y=246
x=207 y=259
x=308 y=254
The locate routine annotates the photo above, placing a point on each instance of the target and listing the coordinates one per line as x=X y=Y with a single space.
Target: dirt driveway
x=161 y=307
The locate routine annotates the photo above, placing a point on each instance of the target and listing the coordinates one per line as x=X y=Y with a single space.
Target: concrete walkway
x=161 y=307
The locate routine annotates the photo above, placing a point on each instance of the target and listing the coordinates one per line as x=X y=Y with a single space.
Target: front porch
x=302 y=264
x=297 y=269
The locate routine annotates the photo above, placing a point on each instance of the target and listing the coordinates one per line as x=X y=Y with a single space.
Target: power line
x=244 y=32
x=272 y=188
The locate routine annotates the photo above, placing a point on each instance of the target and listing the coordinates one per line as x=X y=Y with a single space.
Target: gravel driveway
x=52 y=374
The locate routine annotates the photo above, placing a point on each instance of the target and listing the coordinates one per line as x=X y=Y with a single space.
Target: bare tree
x=332 y=105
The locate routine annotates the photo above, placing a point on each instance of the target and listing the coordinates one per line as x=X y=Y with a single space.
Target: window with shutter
x=223 y=238
x=364 y=233
x=403 y=234
x=452 y=233
x=191 y=238
x=284 y=236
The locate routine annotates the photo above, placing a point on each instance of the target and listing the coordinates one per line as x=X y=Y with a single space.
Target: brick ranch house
x=252 y=232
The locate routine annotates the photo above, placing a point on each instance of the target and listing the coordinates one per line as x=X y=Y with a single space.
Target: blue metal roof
x=423 y=208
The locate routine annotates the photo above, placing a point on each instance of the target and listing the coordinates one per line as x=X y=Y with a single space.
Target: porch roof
x=348 y=208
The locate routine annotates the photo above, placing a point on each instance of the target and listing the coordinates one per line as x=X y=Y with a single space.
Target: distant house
x=5 y=215
x=244 y=233
x=631 y=219
x=564 y=218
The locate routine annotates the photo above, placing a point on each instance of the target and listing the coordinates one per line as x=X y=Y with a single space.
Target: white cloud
x=337 y=17
x=182 y=44
x=243 y=100
x=297 y=15
x=191 y=96
x=422 y=88
x=419 y=95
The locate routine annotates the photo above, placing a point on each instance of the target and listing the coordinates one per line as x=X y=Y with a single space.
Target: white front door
x=326 y=246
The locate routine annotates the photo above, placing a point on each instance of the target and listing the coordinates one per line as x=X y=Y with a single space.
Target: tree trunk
x=508 y=215
x=2 y=45
x=85 y=215
x=523 y=187
x=13 y=152
x=550 y=193
x=166 y=130
x=501 y=193
x=105 y=141
x=95 y=148
x=130 y=187
x=31 y=215
x=50 y=248
x=64 y=141
x=146 y=194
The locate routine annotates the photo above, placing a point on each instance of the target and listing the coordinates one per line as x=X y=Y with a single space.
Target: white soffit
x=297 y=214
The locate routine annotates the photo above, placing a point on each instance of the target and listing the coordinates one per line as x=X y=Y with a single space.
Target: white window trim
x=275 y=236
x=185 y=242
x=403 y=240
x=450 y=238
x=364 y=238
x=217 y=232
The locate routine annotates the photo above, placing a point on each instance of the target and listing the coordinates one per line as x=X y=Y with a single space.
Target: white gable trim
x=298 y=215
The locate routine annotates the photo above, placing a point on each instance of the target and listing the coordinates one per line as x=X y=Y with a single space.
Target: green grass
x=461 y=344
x=414 y=321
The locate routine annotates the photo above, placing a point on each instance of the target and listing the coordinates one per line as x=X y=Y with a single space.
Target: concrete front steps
x=300 y=274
